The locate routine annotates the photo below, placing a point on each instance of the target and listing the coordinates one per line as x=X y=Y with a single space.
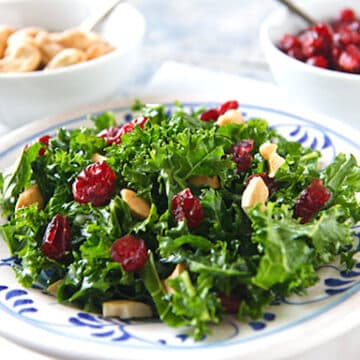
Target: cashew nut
x=21 y=58
x=268 y=152
x=212 y=181
x=30 y=196
x=256 y=192
x=96 y=157
x=98 y=49
x=52 y=289
x=139 y=207
x=5 y=32
x=180 y=268
x=126 y=309
x=230 y=117
x=66 y=57
x=48 y=48
x=73 y=38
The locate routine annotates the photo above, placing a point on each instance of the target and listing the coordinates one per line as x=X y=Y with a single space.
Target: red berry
x=229 y=303
x=130 y=252
x=311 y=200
x=271 y=183
x=187 y=206
x=241 y=154
x=56 y=240
x=318 y=61
x=347 y=15
x=209 y=115
x=297 y=54
x=95 y=184
x=228 y=105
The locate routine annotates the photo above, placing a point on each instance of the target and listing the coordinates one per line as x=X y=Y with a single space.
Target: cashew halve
x=256 y=192
x=96 y=157
x=179 y=269
x=5 y=32
x=48 y=48
x=21 y=58
x=138 y=206
x=126 y=309
x=30 y=196
x=73 y=38
x=268 y=152
x=66 y=57
x=52 y=289
x=212 y=181
x=230 y=117
x=98 y=49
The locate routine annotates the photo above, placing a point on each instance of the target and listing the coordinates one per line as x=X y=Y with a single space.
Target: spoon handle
x=295 y=9
x=89 y=23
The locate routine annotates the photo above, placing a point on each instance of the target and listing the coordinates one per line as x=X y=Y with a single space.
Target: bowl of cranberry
x=319 y=64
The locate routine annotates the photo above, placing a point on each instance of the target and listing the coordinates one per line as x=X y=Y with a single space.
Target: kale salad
x=182 y=216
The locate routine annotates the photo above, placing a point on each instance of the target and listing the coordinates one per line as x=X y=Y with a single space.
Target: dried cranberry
x=317 y=40
x=347 y=15
x=209 y=115
x=241 y=154
x=311 y=200
x=229 y=303
x=130 y=252
x=114 y=134
x=187 y=206
x=349 y=60
x=228 y=105
x=271 y=183
x=56 y=240
x=44 y=140
x=289 y=42
x=95 y=184
x=140 y=121
x=318 y=61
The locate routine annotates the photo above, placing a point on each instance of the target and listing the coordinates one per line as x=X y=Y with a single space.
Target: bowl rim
x=266 y=42
x=86 y=64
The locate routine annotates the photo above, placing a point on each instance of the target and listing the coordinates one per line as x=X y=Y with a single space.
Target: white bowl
x=28 y=96
x=330 y=92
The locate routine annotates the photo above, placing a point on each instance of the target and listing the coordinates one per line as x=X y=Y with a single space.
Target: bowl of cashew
x=49 y=65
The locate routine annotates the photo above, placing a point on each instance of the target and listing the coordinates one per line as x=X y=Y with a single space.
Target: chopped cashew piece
x=98 y=49
x=275 y=161
x=66 y=57
x=52 y=289
x=268 y=152
x=73 y=38
x=126 y=309
x=48 y=48
x=139 y=207
x=22 y=57
x=212 y=181
x=179 y=268
x=256 y=192
x=230 y=117
x=5 y=32
x=30 y=196
x=96 y=157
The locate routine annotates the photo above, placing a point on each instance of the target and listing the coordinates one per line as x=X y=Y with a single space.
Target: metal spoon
x=295 y=9
x=89 y=23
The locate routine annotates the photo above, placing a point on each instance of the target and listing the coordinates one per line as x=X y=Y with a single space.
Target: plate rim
x=22 y=134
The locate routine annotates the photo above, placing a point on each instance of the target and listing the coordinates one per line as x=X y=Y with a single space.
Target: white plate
x=330 y=309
